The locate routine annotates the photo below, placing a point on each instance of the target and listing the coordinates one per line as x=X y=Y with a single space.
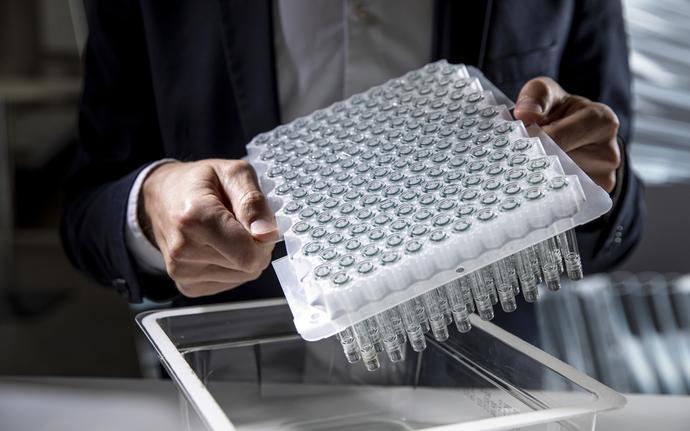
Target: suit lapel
x=249 y=54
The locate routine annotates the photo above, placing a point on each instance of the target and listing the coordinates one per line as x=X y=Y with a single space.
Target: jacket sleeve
x=595 y=65
x=118 y=136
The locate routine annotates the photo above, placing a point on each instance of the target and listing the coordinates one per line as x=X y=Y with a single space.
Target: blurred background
x=630 y=329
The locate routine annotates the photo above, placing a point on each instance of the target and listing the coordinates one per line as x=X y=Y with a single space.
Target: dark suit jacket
x=196 y=79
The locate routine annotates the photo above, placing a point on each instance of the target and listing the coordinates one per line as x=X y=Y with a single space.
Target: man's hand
x=586 y=130
x=211 y=223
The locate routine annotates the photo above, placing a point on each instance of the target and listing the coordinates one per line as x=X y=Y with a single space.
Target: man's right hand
x=210 y=221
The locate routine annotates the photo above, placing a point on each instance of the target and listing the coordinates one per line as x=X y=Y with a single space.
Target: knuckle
x=202 y=168
x=243 y=165
x=253 y=275
x=579 y=102
x=256 y=265
x=264 y=261
x=188 y=219
x=610 y=116
x=248 y=276
x=177 y=247
x=608 y=182
x=612 y=180
x=614 y=154
x=251 y=200
x=244 y=259
x=253 y=260
x=177 y=250
x=172 y=267
x=542 y=80
x=237 y=167
x=605 y=115
x=189 y=290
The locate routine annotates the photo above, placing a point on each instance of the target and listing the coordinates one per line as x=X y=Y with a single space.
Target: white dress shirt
x=326 y=51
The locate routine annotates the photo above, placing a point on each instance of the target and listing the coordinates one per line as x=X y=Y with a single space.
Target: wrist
x=147 y=203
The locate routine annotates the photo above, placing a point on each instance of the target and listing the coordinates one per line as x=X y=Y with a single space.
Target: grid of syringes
x=377 y=181
x=478 y=292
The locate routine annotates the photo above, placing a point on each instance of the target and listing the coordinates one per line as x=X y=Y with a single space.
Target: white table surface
x=75 y=404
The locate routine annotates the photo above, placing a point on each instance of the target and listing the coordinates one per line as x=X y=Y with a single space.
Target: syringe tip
x=395 y=356
x=553 y=285
x=463 y=325
x=352 y=356
x=418 y=344
x=486 y=313
x=440 y=330
x=530 y=295
x=575 y=274
x=509 y=306
x=372 y=364
x=425 y=326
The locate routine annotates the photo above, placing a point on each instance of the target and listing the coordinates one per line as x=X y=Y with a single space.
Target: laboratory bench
x=257 y=376
x=74 y=404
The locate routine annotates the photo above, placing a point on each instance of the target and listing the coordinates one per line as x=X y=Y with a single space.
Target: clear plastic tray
x=243 y=366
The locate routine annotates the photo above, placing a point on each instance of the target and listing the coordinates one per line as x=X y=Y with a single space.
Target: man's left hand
x=585 y=130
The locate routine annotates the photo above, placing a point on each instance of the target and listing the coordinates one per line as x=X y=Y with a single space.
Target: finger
x=597 y=158
x=239 y=247
x=249 y=205
x=199 y=272
x=601 y=169
x=211 y=232
x=203 y=222
x=537 y=98
x=206 y=288
x=220 y=241
x=201 y=253
x=589 y=162
x=580 y=128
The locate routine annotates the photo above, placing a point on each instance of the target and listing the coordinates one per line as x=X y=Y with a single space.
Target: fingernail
x=528 y=104
x=262 y=227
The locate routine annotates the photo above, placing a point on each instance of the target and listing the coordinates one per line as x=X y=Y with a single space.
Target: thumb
x=536 y=99
x=249 y=205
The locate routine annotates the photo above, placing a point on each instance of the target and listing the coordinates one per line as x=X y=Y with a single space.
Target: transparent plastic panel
x=243 y=366
x=392 y=194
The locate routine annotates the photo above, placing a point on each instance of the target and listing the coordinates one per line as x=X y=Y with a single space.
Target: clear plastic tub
x=243 y=366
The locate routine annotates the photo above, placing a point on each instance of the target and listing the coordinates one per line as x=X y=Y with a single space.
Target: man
x=160 y=203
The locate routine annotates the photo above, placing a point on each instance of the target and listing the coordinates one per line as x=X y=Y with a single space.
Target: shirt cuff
x=146 y=255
